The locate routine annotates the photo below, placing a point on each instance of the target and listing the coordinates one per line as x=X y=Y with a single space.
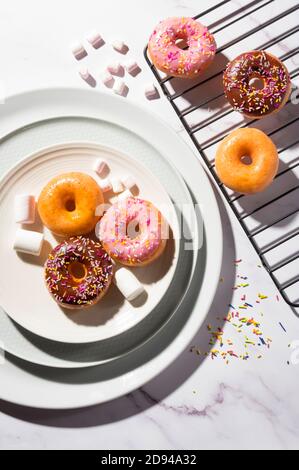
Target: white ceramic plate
x=31 y=347
x=51 y=388
x=33 y=307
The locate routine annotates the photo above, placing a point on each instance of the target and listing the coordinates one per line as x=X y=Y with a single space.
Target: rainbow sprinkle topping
x=132 y=231
x=66 y=289
x=173 y=60
x=244 y=96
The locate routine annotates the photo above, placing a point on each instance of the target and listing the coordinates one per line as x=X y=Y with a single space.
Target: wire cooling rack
x=270 y=219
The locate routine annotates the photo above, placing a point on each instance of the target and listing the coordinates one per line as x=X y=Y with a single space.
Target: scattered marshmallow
x=132 y=67
x=115 y=68
x=124 y=195
x=101 y=167
x=119 y=46
x=24 y=208
x=84 y=73
x=95 y=39
x=128 y=284
x=28 y=242
x=78 y=51
x=151 y=91
x=107 y=79
x=117 y=186
x=129 y=182
x=120 y=88
x=87 y=77
x=105 y=185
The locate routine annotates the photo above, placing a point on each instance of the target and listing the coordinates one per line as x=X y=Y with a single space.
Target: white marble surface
x=198 y=403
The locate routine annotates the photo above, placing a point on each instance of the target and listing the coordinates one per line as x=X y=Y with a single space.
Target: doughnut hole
x=70 y=205
x=257 y=83
x=182 y=43
x=246 y=160
x=78 y=271
x=133 y=229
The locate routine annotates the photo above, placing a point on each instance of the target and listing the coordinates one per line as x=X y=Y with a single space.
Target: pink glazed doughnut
x=131 y=231
x=171 y=59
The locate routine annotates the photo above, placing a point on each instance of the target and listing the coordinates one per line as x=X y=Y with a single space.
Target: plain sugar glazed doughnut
x=168 y=57
x=257 y=84
x=247 y=160
x=78 y=273
x=67 y=205
x=132 y=230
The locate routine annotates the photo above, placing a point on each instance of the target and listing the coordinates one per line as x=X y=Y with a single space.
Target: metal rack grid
x=280 y=232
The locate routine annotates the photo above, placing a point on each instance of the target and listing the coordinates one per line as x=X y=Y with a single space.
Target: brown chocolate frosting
x=240 y=83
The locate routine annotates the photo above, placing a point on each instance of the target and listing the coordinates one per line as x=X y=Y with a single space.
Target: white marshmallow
x=128 y=182
x=114 y=68
x=150 y=90
x=124 y=195
x=107 y=79
x=24 y=208
x=78 y=51
x=101 y=167
x=118 y=45
x=28 y=242
x=95 y=39
x=119 y=87
x=84 y=73
x=117 y=186
x=132 y=67
x=105 y=185
x=128 y=284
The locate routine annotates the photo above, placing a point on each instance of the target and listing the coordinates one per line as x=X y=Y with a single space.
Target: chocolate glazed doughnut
x=256 y=84
x=78 y=273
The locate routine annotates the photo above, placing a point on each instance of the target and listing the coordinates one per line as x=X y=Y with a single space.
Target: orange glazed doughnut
x=67 y=205
x=247 y=161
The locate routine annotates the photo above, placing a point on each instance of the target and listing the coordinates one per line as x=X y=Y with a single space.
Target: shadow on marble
x=204 y=87
x=267 y=214
x=162 y=386
x=233 y=14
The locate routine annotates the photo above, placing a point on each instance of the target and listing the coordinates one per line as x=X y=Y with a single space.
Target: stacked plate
x=55 y=359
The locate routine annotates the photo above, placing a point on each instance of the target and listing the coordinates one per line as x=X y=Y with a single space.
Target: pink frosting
x=131 y=231
x=169 y=58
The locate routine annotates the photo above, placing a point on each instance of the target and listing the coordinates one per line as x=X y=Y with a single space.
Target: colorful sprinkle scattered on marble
x=247 y=326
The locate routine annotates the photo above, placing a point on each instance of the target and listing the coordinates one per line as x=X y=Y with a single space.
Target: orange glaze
x=67 y=205
x=247 y=178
